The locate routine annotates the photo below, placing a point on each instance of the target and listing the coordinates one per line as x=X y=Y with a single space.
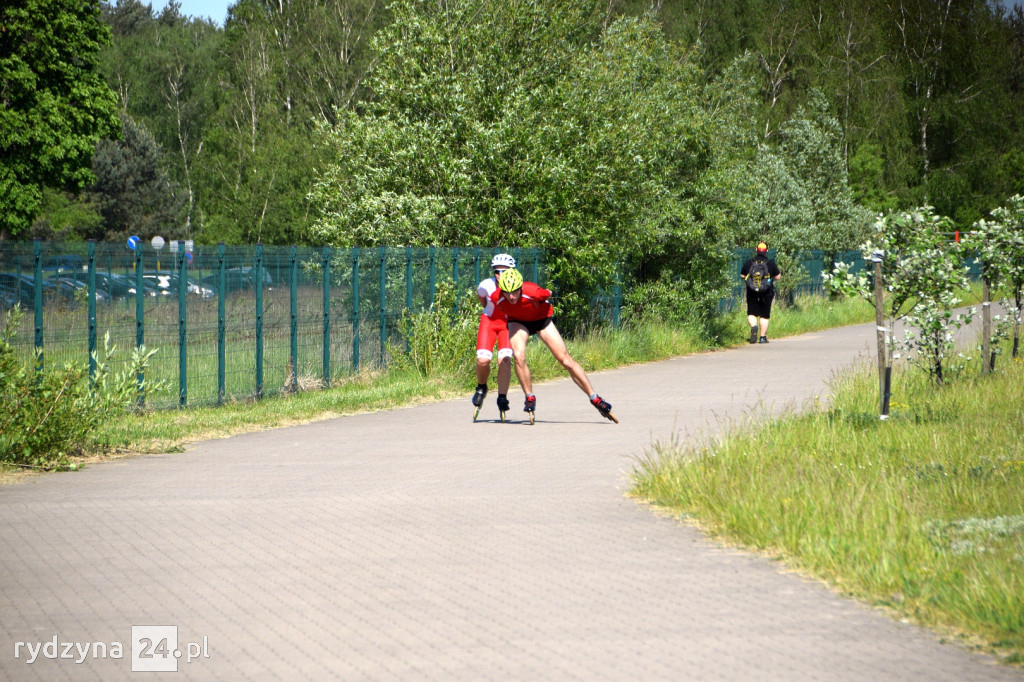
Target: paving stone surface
x=414 y=544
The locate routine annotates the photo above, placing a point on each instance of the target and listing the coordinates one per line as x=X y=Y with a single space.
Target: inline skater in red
x=493 y=328
x=530 y=312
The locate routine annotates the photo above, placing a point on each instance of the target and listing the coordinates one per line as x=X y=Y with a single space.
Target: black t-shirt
x=773 y=272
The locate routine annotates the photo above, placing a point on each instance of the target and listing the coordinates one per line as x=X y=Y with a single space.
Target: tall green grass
x=923 y=513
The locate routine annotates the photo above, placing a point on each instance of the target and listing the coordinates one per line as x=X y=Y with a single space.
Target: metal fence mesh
x=249 y=321
x=255 y=320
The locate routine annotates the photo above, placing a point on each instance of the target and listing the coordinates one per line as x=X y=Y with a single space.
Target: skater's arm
x=484 y=291
x=535 y=291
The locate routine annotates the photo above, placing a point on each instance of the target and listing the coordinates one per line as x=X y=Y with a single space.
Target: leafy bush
x=48 y=416
x=440 y=340
x=668 y=300
x=794 y=275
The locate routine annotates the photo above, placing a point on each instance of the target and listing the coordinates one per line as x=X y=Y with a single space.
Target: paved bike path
x=414 y=544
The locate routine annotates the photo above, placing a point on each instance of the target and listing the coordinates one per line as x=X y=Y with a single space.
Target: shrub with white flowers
x=922 y=269
x=1000 y=245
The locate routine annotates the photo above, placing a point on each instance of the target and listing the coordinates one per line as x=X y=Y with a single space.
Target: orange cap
x=762 y=247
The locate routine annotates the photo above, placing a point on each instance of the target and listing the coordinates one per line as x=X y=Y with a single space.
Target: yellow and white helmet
x=510 y=280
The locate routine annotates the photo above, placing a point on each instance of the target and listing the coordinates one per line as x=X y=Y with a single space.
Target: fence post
x=355 y=309
x=108 y=282
x=617 y=297
x=325 y=263
x=127 y=278
x=455 y=278
x=884 y=375
x=433 y=275
x=987 y=357
x=221 y=322
x=536 y=264
x=815 y=266
x=382 y=253
x=140 y=313
x=408 y=287
x=182 y=327
x=258 y=269
x=37 y=298
x=293 y=285
x=92 y=308
x=476 y=265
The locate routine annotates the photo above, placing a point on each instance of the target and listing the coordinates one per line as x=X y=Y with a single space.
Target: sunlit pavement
x=416 y=545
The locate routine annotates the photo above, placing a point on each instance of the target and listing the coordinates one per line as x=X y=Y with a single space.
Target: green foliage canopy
x=132 y=189
x=165 y=72
x=512 y=124
x=56 y=105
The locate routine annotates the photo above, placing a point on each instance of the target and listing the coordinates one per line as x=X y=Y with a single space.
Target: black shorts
x=533 y=326
x=760 y=306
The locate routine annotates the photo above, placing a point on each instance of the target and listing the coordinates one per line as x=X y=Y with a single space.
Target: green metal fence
x=255 y=320
x=248 y=322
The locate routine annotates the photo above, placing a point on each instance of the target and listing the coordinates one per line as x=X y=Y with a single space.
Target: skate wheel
x=476 y=413
x=502 y=417
x=612 y=417
x=531 y=419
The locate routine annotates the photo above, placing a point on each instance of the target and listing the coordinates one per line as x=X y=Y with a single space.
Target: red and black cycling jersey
x=532 y=305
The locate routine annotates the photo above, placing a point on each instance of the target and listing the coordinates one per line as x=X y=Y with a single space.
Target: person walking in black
x=760 y=273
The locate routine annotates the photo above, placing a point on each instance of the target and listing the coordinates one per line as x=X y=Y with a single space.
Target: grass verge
x=922 y=513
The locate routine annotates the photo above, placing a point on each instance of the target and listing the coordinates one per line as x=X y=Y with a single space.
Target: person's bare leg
x=764 y=326
x=752 y=321
x=553 y=340
x=504 y=375
x=518 y=336
x=483 y=371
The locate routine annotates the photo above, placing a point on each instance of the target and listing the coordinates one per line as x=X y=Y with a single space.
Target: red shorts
x=492 y=330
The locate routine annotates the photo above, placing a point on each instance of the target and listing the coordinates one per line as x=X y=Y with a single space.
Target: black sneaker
x=753 y=335
x=479 y=395
x=503 y=403
x=763 y=339
x=531 y=404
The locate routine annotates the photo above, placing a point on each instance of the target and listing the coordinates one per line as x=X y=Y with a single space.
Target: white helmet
x=503 y=260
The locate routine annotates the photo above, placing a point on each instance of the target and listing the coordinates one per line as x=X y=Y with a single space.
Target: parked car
x=77 y=290
x=115 y=285
x=8 y=297
x=166 y=284
x=21 y=289
x=238 y=279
